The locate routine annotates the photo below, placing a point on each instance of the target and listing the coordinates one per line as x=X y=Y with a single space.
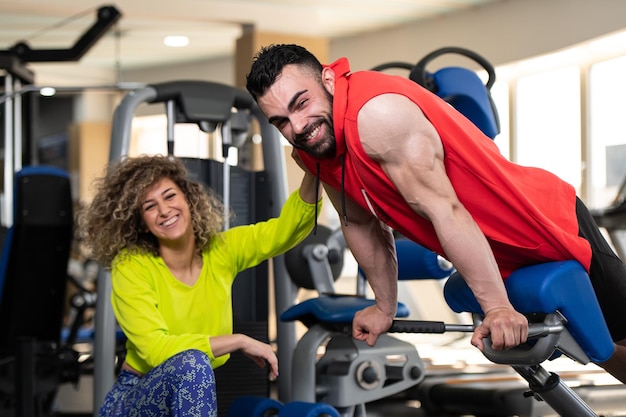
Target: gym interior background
x=559 y=94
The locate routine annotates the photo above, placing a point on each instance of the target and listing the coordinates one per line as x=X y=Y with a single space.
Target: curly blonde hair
x=112 y=222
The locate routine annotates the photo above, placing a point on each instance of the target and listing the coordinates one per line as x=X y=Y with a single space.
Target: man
x=392 y=155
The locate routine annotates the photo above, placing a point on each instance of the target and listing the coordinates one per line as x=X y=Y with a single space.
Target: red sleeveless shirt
x=527 y=214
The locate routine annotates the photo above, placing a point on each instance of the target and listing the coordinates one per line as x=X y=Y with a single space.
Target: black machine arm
x=421 y=76
x=107 y=16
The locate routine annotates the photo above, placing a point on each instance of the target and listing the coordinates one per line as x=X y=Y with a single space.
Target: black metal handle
x=417 y=326
x=419 y=74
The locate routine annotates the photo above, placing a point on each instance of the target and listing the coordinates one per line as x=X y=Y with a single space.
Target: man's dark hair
x=269 y=62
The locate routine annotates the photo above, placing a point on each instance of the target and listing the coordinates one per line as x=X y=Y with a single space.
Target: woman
x=172 y=269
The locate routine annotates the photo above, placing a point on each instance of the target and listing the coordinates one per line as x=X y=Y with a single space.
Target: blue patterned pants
x=183 y=385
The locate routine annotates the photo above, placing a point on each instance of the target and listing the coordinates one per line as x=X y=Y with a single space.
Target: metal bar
x=17 y=129
x=285 y=290
x=7 y=218
x=170 y=111
x=104 y=343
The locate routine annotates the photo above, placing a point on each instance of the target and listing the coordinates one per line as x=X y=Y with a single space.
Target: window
x=149 y=136
x=548 y=122
x=607 y=91
x=500 y=96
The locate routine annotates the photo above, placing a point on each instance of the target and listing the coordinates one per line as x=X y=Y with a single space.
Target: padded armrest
x=545 y=288
x=332 y=309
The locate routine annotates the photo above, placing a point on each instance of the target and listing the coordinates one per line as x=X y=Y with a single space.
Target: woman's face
x=165 y=211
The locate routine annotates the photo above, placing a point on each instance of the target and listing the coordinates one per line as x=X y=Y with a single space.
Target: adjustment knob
x=369 y=375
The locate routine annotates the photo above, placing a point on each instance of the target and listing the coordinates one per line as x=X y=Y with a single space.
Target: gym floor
x=460 y=382
x=453 y=380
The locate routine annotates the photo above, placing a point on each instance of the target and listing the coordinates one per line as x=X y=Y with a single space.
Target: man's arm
x=372 y=245
x=397 y=135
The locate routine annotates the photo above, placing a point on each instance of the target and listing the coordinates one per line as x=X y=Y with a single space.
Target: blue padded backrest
x=465 y=91
x=36 y=255
x=545 y=288
x=417 y=262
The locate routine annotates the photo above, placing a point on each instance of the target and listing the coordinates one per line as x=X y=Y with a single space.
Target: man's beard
x=324 y=147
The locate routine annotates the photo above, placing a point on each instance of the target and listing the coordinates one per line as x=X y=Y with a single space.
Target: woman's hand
x=310 y=190
x=262 y=354
x=296 y=157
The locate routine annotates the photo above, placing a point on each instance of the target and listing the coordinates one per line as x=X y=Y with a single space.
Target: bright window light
x=176 y=41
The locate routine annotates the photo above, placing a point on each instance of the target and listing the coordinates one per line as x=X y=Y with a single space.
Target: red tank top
x=527 y=214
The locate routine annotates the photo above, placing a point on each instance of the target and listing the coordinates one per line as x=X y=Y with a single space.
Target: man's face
x=301 y=108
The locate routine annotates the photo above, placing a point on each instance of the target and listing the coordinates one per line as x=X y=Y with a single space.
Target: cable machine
x=17 y=79
x=211 y=106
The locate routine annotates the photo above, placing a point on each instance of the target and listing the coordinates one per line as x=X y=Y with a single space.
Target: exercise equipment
x=459 y=86
x=33 y=277
x=41 y=360
x=228 y=111
x=565 y=321
x=17 y=74
x=251 y=406
x=349 y=373
x=565 y=318
x=613 y=219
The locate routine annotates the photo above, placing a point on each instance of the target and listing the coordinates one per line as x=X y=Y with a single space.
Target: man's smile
x=309 y=135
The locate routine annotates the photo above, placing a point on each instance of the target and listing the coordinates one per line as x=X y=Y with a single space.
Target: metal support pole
x=285 y=290
x=7 y=218
x=17 y=128
x=104 y=343
x=549 y=387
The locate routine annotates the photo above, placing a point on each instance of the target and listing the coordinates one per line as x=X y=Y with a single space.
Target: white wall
x=502 y=32
x=220 y=70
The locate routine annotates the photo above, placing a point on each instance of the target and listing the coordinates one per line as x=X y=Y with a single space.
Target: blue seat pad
x=333 y=308
x=546 y=288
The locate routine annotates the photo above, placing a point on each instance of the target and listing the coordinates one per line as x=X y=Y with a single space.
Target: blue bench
x=573 y=325
x=562 y=287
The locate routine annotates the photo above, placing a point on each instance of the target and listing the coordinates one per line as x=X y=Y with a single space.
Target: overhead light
x=176 y=41
x=47 y=91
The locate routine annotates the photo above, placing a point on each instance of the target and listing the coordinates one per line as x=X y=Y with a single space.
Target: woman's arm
x=259 y=352
x=310 y=190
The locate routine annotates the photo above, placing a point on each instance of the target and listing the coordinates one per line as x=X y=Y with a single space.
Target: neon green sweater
x=161 y=316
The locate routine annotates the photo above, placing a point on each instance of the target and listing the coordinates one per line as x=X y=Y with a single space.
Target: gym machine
x=230 y=110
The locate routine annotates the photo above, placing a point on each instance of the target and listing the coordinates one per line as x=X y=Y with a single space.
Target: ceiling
x=212 y=26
